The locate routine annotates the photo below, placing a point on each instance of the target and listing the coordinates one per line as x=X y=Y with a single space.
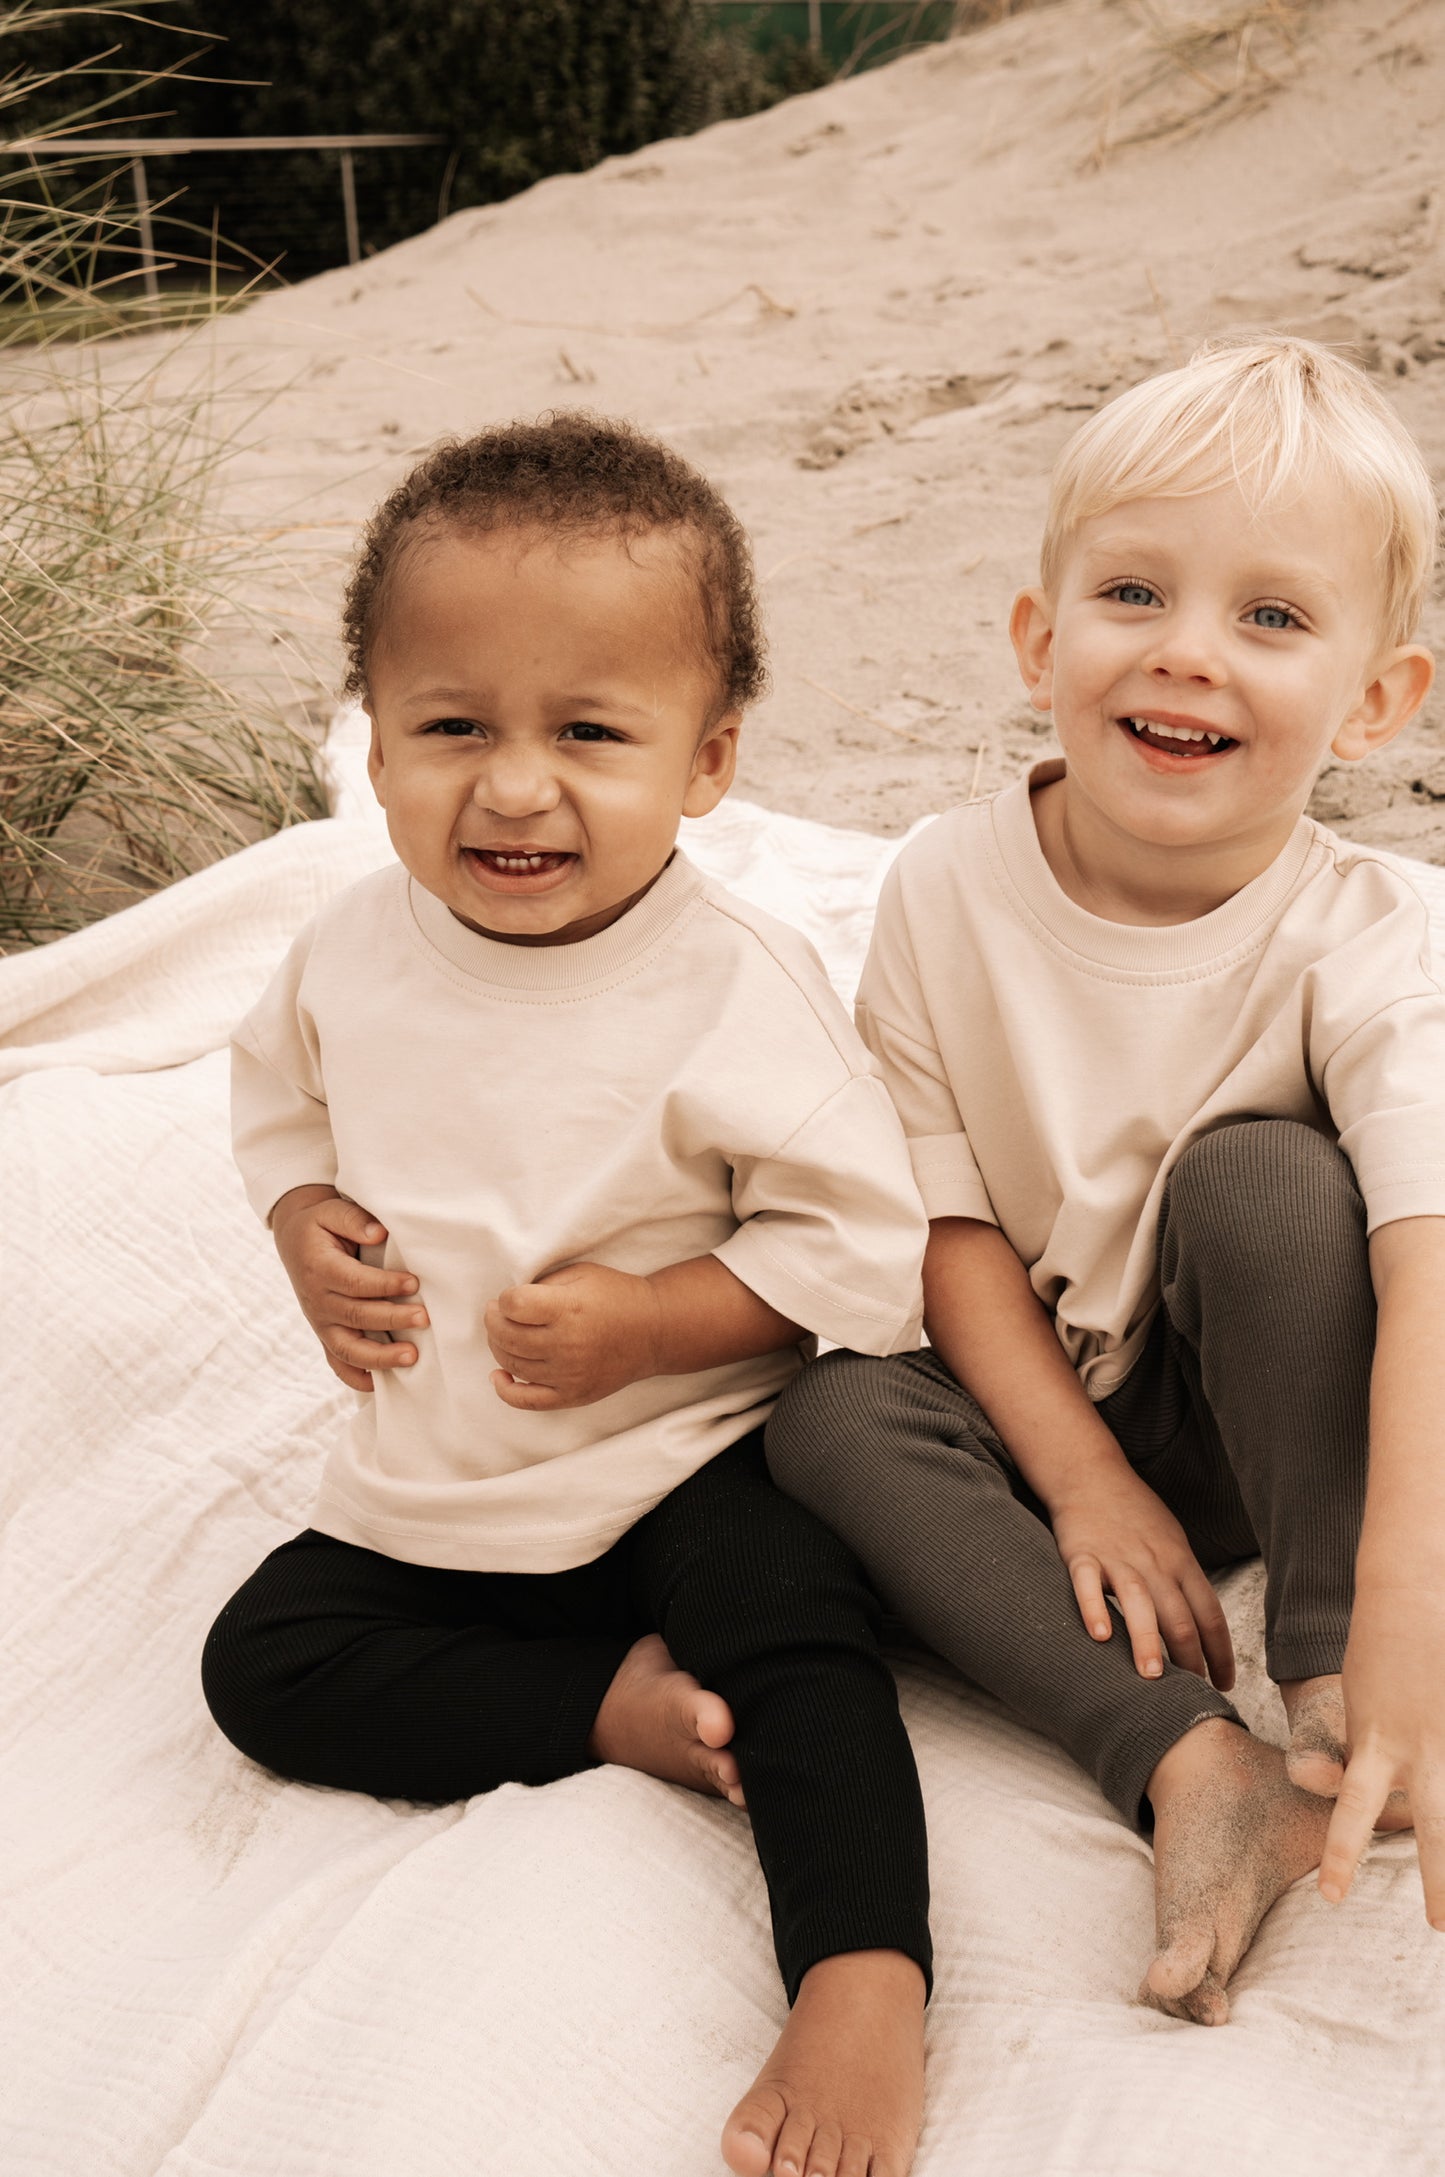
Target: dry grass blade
x=1192 y=63
x=124 y=763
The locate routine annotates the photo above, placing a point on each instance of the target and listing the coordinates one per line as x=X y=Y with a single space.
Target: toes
x=790 y=2156
x=751 y=2132
x=1314 y=1769
x=1205 y=2004
x=823 y=2154
x=1181 y=1964
x=711 y=1719
x=719 y=1773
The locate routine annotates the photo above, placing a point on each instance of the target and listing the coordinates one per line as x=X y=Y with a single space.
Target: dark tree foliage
x=517 y=90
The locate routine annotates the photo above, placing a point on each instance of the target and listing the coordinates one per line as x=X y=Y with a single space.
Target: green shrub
x=518 y=90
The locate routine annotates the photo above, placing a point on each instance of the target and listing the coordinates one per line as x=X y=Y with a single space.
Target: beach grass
x=125 y=763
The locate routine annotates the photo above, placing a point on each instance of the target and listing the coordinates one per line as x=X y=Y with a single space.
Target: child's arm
x=1112 y=1531
x=585 y=1331
x=1395 y=1662
x=318 y=1236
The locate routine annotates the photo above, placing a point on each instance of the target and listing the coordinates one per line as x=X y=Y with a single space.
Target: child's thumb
x=349 y=1221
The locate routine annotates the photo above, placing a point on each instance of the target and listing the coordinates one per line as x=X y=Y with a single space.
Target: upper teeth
x=518 y=861
x=1176 y=733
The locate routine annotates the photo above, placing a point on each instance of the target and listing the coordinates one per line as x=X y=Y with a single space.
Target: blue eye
x=1273 y=616
x=1134 y=593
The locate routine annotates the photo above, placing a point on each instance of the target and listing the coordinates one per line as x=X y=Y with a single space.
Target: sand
x=874 y=315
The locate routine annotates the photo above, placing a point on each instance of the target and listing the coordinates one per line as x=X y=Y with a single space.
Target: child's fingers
x=1087 y=1576
x=530 y=1304
x=349 y=1221
x=1213 y=1627
x=1368 y=1779
x=1137 y=1604
x=515 y=1342
x=367 y=1280
x=1428 y=1807
x=356 y=1379
x=365 y=1354
x=390 y=1315
x=533 y=1398
x=1179 y=1632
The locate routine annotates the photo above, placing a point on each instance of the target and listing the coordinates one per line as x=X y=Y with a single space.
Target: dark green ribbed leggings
x=1247 y=1412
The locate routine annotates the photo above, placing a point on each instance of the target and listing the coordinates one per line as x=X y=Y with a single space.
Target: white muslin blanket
x=208 y=1972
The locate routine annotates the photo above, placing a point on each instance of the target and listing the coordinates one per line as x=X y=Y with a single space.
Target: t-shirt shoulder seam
x=738 y=913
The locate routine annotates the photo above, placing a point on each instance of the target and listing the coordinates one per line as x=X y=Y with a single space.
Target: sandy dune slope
x=875 y=313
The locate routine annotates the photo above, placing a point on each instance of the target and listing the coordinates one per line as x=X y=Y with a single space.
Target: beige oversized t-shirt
x=684 y=1083
x=1050 y=1067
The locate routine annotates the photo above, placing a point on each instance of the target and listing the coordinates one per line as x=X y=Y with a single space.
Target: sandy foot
x=842 y=2093
x=1231 y=1833
x=1315 y=1709
x=657 y=1718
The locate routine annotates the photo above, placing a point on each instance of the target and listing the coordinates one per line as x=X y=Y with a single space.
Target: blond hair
x=1266 y=415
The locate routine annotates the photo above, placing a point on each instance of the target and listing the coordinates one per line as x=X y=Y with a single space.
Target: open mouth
x=1196 y=743
x=517 y=867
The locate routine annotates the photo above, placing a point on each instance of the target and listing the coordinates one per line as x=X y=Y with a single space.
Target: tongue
x=1176 y=748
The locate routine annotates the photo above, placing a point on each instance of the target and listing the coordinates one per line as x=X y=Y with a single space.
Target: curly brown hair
x=569 y=472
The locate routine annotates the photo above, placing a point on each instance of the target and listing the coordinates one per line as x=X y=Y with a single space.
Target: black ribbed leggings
x=1247 y=1413
x=339 y=1666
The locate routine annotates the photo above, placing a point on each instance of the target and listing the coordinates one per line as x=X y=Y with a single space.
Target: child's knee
x=246 y=1688
x=1267 y=1190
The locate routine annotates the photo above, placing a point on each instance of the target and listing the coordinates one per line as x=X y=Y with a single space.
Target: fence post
x=348 y=201
x=815 y=25
x=147 y=233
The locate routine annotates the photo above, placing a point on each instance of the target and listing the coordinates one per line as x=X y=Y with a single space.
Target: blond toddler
x=1171 y=1060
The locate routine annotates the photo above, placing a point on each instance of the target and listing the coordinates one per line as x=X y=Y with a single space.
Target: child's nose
x=1187 y=647
x=516 y=782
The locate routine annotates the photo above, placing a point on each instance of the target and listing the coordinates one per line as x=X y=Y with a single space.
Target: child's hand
x=573 y=1337
x=1122 y=1538
x=1395 y=1725
x=318 y=1234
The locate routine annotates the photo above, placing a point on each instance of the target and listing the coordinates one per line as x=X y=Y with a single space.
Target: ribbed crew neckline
x=1176 y=948
x=549 y=970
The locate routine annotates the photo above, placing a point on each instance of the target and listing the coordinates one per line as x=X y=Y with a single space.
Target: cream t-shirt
x=684 y=1083
x=1050 y=1067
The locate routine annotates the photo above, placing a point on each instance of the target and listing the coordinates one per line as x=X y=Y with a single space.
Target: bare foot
x=657 y=1718
x=1231 y=1833
x=842 y=2093
x=1318 y=1746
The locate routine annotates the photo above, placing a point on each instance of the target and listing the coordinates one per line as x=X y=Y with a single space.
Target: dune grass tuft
x=124 y=762
x=1191 y=64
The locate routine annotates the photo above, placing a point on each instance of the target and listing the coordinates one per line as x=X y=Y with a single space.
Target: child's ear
x=713 y=766
x=1031 y=631
x=1391 y=699
x=375 y=761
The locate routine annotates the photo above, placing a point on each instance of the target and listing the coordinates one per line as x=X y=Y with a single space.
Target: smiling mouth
x=1197 y=742
x=517 y=864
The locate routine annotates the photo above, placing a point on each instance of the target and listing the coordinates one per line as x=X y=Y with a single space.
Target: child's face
x=1201 y=661
x=542 y=716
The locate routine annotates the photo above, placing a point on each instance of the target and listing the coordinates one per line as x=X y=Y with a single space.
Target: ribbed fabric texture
x=1269 y=1320
x=339 y=1666
x=1247 y=1413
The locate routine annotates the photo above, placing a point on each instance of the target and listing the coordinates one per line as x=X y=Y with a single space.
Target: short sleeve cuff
x=948 y=1178
x=1388 y=1201
x=264 y=1189
x=863 y=1324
